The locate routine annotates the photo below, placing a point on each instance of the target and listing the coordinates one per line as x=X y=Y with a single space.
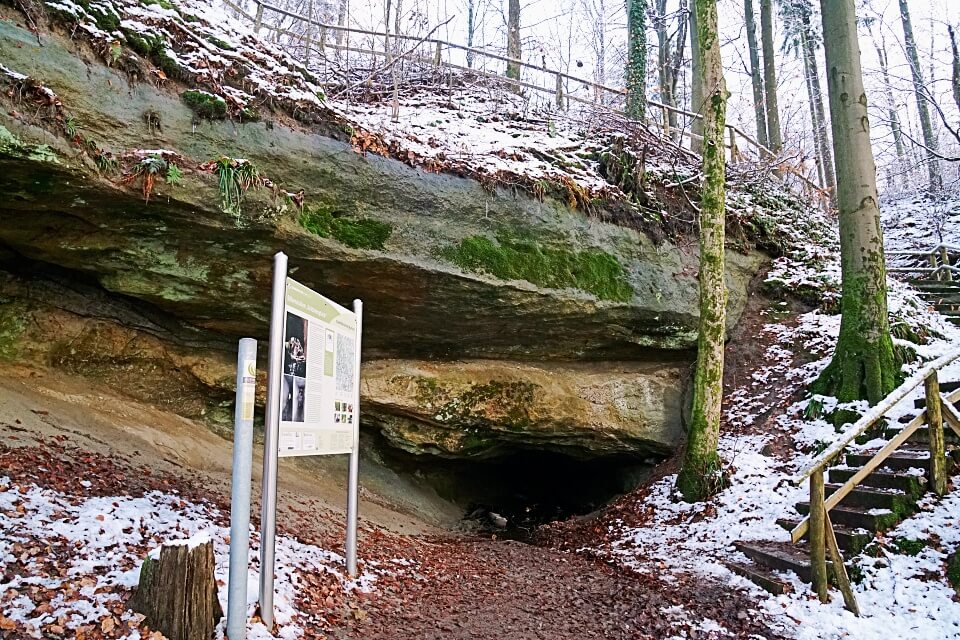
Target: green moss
x=356 y=233
x=590 y=270
x=953 y=570
x=138 y=43
x=11 y=145
x=909 y=546
x=162 y=3
x=205 y=105
x=222 y=44
x=105 y=19
x=12 y=325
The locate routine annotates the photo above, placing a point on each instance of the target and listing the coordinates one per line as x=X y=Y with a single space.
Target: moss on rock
x=590 y=270
x=356 y=233
x=205 y=105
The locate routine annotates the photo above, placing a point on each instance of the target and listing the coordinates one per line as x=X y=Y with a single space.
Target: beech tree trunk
x=700 y=476
x=636 y=76
x=770 y=76
x=955 y=77
x=341 y=21
x=696 y=83
x=178 y=592
x=471 y=27
x=816 y=99
x=919 y=90
x=513 y=38
x=892 y=115
x=756 y=77
x=863 y=365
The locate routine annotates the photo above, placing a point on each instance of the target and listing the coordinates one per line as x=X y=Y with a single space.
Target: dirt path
x=512 y=591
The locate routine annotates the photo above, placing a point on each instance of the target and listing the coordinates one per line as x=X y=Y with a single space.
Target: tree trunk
x=816 y=98
x=677 y=62
x=770 y=76
x=955 y=77
x=700 y=475
x=892 y=115
x=696 y=83
x=815 y=123
x=636 y=59
x=863 y=365
x=759 y=108
x=471 y=26
x=386 y=31
x=178 y=592
x=513 y=38
x=341 y=21
x=926 y=125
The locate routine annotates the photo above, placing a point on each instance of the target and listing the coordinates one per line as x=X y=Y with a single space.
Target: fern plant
x=147 y=169
x=235 y=177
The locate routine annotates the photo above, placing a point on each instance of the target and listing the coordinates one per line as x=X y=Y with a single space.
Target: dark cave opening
x=512 y=494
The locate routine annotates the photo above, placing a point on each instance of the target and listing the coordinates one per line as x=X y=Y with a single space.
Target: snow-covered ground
x=901 y=595
x=70 y=562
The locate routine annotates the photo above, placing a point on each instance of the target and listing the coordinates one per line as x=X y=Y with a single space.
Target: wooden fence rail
x=939 y=410
x=940 y=262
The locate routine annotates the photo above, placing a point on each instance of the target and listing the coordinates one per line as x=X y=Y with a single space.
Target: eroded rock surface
x=593 y=365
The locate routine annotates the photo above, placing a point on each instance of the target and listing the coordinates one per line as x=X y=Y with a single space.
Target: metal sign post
x=240 y=491
x=353 y=481
x=313 y=402
x=271 y=428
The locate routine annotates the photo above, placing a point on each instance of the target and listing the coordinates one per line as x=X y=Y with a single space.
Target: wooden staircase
x=934 y=274
x=943 y=296
x=867 y=493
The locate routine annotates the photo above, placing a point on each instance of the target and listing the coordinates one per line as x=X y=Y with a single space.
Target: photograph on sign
x=318 y=385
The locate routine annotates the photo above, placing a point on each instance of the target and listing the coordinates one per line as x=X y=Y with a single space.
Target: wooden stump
x=178 y=592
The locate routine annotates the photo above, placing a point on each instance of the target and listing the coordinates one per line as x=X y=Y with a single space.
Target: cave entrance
x=512 y=494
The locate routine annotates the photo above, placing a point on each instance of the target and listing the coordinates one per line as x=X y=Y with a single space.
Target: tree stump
x=178 y=592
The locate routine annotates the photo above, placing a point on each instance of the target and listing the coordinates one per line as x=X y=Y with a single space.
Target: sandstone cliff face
x=494 y=320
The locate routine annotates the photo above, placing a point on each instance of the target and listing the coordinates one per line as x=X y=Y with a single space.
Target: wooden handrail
x=817 y=524
x=932 y=251
x=873 y=415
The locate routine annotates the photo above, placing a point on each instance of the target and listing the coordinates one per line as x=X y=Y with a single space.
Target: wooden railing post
x=945 y=261
x=559 y=91
x=932 y=261
x=438 y=54
x=934 y=413
x=734 y=152
x=818 y=555
x=258 y=21
x=839 y=569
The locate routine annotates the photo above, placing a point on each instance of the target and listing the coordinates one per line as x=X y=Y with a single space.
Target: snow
x=107 y=538
x=901 y=594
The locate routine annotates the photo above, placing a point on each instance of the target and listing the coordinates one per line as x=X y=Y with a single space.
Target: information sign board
x=318 y=412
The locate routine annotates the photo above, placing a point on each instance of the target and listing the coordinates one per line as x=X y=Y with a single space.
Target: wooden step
x=946 y=386
x=875 y=498
x=764 y=578
x=900 y=460
x=778 y=556
x=921 y=435
x=874 y=520
x=908 y=483
x=849 y=539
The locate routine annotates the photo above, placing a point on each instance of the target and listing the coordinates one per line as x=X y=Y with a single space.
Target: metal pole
x=353 y=482
x=240 y=493
x=271 y=428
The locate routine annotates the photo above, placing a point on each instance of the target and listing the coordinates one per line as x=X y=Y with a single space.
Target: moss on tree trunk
x=863 y=365
x=636 y=58
x=700 y=474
